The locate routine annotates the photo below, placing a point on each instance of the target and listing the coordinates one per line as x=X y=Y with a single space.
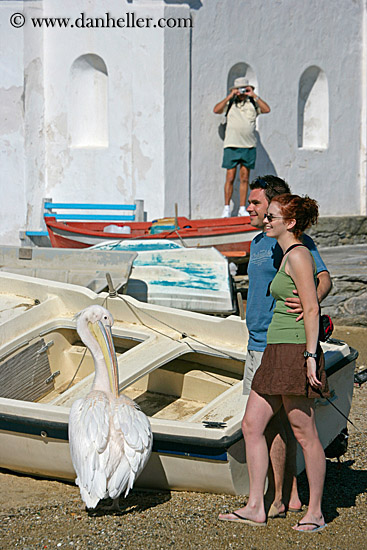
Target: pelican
x=110 y=437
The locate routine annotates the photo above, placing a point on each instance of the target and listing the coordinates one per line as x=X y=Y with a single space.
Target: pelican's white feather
x=110 y=437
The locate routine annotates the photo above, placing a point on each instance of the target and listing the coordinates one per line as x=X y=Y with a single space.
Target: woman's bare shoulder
x=299 y=258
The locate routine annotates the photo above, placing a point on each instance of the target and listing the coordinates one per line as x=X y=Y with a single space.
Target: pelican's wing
x=89 y=426
x=134 y=427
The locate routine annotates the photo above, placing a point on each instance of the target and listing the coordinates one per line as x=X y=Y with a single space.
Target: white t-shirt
x=241 y=124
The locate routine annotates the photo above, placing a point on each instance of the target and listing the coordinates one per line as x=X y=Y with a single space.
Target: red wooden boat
x=228 y=235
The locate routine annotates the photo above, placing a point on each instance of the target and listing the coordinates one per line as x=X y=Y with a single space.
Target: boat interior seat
x=182 y=380
x=27 y=375
x=226 y=406
x=178 y=379
x=79 y=390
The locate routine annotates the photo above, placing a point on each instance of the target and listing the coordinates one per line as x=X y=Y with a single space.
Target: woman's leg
x=282 y=492
x=259 y=410
x=301 y=415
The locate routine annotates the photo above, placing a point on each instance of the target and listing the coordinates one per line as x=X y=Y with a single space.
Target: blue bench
x=77 y=212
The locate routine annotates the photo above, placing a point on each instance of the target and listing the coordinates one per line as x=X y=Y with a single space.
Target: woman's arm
x=301 y=268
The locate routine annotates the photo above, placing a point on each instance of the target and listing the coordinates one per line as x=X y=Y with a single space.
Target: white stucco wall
x=161 y=143
x=131 y=165
x=12 y=157
x=279 y=40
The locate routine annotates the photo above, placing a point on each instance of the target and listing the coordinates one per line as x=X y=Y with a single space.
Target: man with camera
x=242 y=107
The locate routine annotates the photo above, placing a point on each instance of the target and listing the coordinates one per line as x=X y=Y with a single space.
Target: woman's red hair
x=302 y=209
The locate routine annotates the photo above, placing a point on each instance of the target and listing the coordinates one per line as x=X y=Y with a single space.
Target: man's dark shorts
x=232 y=156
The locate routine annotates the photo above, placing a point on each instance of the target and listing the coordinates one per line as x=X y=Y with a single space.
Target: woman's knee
x=248 y=427
x=251 y=428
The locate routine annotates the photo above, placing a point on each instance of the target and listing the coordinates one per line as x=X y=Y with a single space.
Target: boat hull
x=184 y=369
x=36 y=442
x=227 y=235
x=79 y=267
x=165 y=274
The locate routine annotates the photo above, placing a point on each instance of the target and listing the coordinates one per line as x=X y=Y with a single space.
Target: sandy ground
x=44 y=514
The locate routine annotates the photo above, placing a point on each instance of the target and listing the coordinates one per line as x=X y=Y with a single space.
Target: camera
x=242 y=90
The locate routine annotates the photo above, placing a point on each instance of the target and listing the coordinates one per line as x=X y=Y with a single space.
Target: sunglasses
x=270 y=217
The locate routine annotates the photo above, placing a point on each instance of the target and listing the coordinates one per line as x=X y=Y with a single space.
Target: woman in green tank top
x=291 y=373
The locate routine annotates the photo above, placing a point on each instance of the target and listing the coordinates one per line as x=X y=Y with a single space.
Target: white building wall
x=12 y=155
x=177 y=113
x=162 y=142
x=280 y=40
x=131 y=165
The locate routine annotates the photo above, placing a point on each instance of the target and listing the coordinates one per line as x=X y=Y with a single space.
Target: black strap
x=233 y=100
x=230 y=103
x=291 y=248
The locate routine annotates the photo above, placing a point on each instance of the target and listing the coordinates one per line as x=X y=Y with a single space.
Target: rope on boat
x=339 y=411
x=77 y=370
x=183 y=334
x=113 y=294
x=85 y=351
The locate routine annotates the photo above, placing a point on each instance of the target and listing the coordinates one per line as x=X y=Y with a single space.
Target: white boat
x=184 y=369
x=80 y=267
x=156 y=271
x=168 y=274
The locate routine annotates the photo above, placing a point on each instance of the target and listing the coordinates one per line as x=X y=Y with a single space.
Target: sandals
x=241 y=519
x=317 y=527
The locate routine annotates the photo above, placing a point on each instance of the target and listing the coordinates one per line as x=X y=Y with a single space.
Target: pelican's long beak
x=103 y=336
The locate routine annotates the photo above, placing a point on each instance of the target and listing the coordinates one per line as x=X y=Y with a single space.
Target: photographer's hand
x=250 y=92
x=221 y=106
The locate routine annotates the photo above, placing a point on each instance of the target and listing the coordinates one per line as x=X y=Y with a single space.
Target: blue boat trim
x=33 y=426
x=174 y=445
x=221 y=457
x=36 y=233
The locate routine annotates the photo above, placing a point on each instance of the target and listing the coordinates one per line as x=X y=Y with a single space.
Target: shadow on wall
x=263 y=166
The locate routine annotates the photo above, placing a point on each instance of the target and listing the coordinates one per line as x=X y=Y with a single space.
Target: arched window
x=313 y=109
x=238 y=70
x=88 y=102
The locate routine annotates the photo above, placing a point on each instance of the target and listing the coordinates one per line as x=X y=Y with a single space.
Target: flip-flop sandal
x=317 y=527
x=295 y=510
x=241 y=519
x=274 y=512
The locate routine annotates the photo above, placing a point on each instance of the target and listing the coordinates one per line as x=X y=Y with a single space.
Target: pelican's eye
x=105 y=318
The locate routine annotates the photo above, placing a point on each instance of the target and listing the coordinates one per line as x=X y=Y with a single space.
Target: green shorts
x=232 y=156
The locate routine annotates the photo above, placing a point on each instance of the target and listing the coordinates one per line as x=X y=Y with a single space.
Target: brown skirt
x=283 y=371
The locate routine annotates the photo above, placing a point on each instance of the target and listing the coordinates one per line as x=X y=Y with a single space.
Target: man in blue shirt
x=265 y=258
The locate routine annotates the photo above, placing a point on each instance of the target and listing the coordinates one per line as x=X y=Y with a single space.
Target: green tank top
x=283 y=328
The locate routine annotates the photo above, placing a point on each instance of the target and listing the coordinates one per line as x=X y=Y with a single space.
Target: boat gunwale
x=227 y=226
